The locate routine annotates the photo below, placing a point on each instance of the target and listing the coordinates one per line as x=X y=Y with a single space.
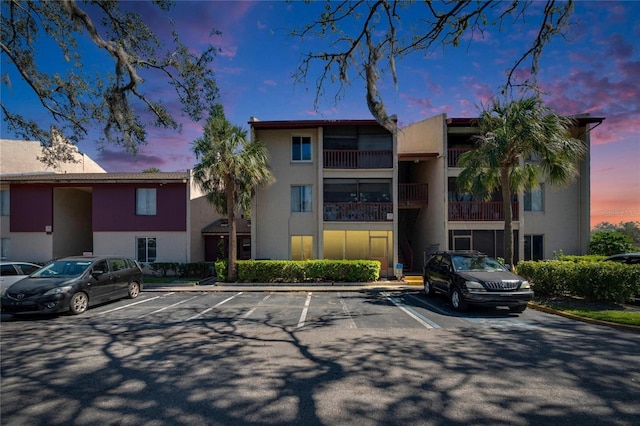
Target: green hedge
x=592 y=280
x=294 y=271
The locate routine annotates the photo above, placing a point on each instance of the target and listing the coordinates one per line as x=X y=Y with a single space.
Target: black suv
x=471 y=277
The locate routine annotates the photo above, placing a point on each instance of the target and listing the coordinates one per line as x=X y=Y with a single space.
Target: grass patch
x=602 y=311
x=619 y=317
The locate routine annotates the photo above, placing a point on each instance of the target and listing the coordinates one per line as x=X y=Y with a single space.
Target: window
x=5 y=248
x=533 y=200
x=533 y=247
x=146 y=201
x=301 y=247
x=301 y=148
x=8 y=270
x=4 y=202
x=146 y=249
x=301 y=198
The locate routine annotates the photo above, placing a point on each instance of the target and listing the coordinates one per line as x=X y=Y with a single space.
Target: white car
x=10 y=272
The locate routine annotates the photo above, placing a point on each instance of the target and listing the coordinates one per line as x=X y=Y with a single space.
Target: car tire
x=517 y=308
x=428 y=288
x=79 y=303
x=134 y=290
x=457 y=301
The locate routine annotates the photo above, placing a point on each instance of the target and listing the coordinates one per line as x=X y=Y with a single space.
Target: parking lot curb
x=285 y=287
x=627 y=327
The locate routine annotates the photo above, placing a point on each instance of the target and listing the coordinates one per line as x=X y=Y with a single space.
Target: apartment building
x=80 y=208
x=349 y=189
x=334 y=193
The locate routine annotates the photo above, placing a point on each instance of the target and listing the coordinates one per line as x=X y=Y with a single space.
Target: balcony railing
x=355 y=159
x=480 y=211
x=357 y=212
x=454 y=155
x=413 y=193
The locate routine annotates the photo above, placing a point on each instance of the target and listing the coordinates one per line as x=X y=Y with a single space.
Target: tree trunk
x=508 y=215
x=232 y=276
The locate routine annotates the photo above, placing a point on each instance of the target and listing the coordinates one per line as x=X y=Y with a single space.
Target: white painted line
x=252 y=310
x=303 y=316
x=425 y=322
x=211 y=308
x=127 y=305
x=352 y=323
x=170 y=306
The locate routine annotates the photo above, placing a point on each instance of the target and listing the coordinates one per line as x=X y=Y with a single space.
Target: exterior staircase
x=414 y=280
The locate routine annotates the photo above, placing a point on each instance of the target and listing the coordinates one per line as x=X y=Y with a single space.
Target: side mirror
x=509 y=268
x=444 y=268
x=97 y=272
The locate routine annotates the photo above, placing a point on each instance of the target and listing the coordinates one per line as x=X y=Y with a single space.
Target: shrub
x=608 y=243
x=302 y=271
x=592 y=280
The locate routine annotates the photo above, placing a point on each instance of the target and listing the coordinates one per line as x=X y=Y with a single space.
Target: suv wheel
x=457 y=301
x=428 y=289
x=517 y=308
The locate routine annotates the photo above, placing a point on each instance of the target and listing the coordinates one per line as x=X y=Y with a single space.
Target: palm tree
x=520 y=143
x=230 y=168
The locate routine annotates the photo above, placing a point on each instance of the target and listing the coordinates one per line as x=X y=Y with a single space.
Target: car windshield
x=63 y=269
x=476 y=263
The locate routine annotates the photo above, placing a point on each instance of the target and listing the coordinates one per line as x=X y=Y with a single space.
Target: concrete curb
x=548 y=310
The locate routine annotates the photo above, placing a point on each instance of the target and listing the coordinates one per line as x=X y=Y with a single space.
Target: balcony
x=413 y=194
x=357 y=212
x=356 y=159
x=479 y=211
x=454 y=155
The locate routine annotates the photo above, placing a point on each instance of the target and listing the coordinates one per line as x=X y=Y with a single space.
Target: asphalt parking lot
x=361 y=357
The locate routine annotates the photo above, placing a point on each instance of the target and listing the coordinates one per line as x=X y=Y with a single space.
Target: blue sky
x=594 y=69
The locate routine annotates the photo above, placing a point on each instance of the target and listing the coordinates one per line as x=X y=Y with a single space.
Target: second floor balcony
x=357 y=212
x=453 y=155
x=357 y=159
x=413 y=194
x=480 y=211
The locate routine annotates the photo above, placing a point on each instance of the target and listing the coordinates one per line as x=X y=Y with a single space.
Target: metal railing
x=454 y=155
x=413 y=193
x=355 y=159
x=480 y=211
x=357 y=212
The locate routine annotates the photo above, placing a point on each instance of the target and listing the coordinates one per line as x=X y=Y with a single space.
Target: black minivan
x=73 y=284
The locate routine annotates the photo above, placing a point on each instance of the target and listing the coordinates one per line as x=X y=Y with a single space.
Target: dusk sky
x=595 y=69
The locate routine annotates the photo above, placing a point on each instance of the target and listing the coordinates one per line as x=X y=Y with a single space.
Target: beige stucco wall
x=31 y=246
x=560 y=222
x=274 y=222
x=423 y=137
x=171 y=246
x=200 y=213
x=72 y=230
x=431 y=224
x=22 y=157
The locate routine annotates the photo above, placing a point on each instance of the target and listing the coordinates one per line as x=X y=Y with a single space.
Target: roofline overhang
x=307 y=124
x=472 y=122
x=95 y=178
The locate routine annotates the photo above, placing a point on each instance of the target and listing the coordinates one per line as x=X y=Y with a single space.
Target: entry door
x=378 y=250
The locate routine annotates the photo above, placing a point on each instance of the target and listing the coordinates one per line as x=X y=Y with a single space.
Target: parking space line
x=345 y=310
x=425 y=322
x=170 y=306
x=213 y=307
x=303 y=315
x=128 y=305
x=251 y=311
